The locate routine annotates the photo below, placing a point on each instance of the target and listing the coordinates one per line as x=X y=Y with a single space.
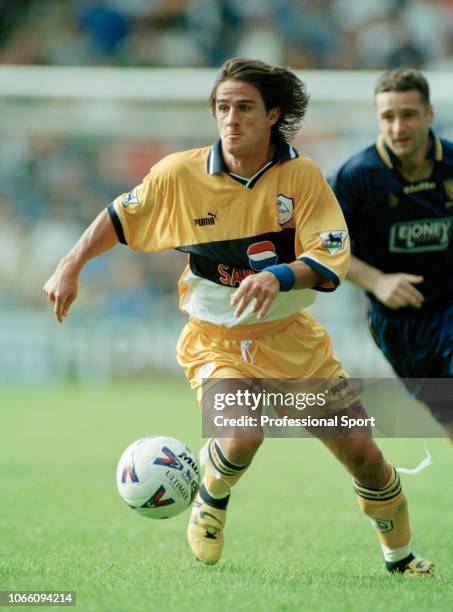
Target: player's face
x=404 y=122
x=243 y=121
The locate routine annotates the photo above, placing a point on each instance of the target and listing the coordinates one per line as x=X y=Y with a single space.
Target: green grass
x=295 y=539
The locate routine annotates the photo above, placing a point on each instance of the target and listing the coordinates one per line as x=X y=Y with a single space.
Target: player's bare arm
x=62 y=286
x=393 y=290
x=265 y=286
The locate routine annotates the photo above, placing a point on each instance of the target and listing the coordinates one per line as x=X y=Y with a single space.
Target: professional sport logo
x=421 y=186
x=129 y=470
x=382 y=525
x=170 y=459
x=209 y=220
x=448 y=186
x=333 y=241
x=156 y=501
x=285 y=208
x=420 y=235
x=206 y=370
x=261 y=255
x=394 y=201
x=130 y=198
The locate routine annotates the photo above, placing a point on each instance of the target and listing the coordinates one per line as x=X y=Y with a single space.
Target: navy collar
x=216 y=163
x=389 y=158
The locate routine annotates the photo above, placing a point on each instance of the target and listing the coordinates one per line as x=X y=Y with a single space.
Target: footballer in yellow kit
x=232 y=228
x=263 y=232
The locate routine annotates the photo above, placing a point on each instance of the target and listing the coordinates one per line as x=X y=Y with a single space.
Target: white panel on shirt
x=210 y=302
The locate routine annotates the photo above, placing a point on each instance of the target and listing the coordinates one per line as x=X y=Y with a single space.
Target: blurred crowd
x=342 y=34
x=51 y=188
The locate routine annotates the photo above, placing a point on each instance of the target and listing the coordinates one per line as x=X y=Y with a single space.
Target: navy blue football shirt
x=396 y=225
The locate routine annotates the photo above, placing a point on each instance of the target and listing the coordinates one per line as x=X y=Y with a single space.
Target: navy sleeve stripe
x=116 y=223
x=324 y=271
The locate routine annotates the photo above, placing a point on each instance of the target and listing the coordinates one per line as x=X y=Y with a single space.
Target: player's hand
x=263 y=287
x=398 y=291
x=61 y=289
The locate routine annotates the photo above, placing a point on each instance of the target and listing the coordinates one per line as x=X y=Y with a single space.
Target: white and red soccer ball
x=158 y=476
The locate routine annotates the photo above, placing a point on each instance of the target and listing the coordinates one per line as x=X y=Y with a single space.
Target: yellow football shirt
x=232 y=227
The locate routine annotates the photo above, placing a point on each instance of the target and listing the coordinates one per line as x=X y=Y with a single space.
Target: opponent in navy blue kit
x=397 y=197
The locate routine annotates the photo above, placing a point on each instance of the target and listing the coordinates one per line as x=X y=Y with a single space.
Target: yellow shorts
x=297 y=347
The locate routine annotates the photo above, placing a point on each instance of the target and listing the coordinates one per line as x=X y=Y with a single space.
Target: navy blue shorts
x=419 y=345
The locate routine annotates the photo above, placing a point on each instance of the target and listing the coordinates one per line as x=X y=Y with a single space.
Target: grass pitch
x=295 y=539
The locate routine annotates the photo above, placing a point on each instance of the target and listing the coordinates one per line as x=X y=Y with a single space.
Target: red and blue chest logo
x=261 y=255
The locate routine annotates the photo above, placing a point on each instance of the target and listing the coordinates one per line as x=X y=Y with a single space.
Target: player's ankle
x=216 y=502
x=399 y=566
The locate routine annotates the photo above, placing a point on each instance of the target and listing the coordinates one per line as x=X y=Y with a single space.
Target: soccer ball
x=158 y=477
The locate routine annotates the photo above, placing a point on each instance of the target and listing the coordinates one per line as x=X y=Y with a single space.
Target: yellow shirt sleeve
x=322 y=240
x=136 y=216
x=159 y=213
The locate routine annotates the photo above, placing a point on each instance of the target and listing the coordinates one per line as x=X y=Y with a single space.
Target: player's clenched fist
x=61 y=289
x=263 y=286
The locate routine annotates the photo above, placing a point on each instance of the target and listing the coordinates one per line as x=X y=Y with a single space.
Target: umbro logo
x=421 y=564
x=209 y=220
x=204 y=515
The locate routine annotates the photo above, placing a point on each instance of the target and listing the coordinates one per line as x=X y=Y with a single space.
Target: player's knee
x=369 y=467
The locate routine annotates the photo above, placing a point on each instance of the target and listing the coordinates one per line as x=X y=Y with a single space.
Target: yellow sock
x=388 y=511
x=221 y=474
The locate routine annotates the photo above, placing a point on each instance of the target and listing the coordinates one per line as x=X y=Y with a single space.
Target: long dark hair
x=278 y=87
